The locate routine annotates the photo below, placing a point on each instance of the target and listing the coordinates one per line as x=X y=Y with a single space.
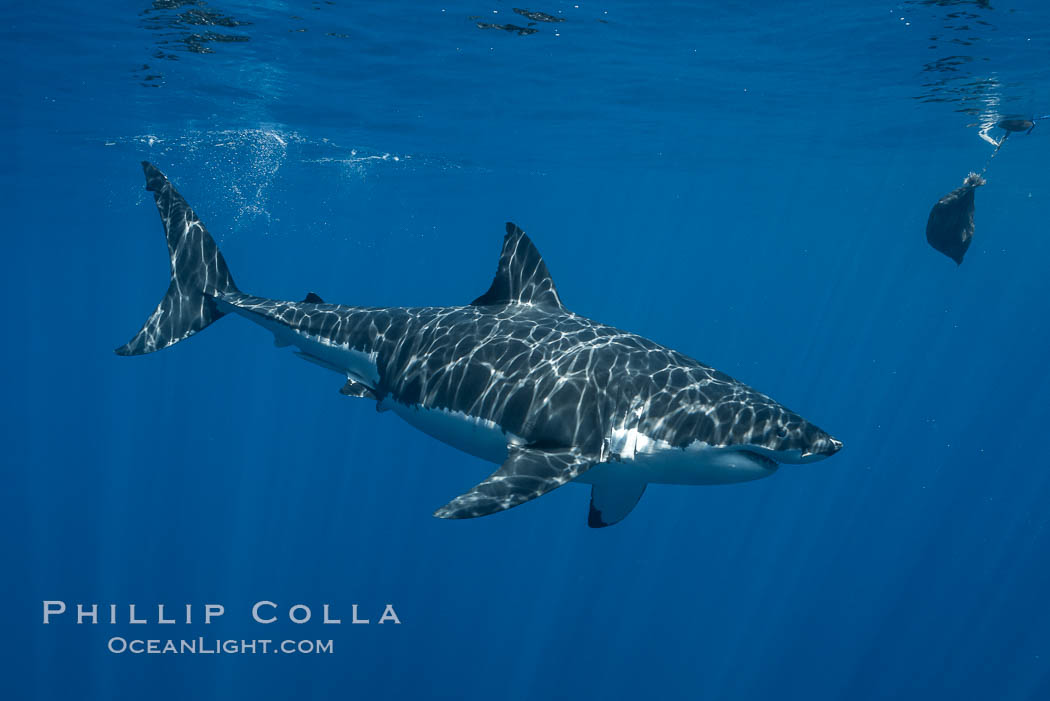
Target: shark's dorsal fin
x=313 y=298
x=522 y=276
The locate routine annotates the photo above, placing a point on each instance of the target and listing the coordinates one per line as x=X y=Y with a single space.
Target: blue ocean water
x=745 y=182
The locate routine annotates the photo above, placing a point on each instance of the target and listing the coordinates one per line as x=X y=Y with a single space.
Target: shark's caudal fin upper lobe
x=198 y=273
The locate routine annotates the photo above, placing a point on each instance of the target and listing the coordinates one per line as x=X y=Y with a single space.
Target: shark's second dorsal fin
x=522 y=276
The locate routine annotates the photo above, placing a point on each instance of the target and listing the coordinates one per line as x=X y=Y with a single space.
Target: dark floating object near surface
x=950 y=226
x=1013 y=125
x=538 y=16
x=522 y=31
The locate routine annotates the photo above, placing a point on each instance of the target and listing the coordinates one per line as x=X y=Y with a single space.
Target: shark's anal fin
x=611 y=501
x=352 y=388
x=522 y=276
x=527 y=473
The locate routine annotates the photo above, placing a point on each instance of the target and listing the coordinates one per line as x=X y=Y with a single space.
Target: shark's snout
x=823 y=447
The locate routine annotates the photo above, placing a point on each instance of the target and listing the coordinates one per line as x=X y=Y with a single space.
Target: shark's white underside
x=639 y=457
x=697 y=464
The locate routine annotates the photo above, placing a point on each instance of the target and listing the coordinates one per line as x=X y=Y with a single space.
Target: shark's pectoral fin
x=526 y=474
x=611 y=501
x=353 y=388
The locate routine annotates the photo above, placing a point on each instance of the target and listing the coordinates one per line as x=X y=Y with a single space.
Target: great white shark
x=513 y=378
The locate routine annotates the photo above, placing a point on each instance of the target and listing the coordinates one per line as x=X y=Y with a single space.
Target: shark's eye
x=781 y=432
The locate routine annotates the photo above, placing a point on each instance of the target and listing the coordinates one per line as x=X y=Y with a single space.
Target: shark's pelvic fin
x=198 y=273
x=526 y=474
x=612 y=501
x=522 y=276
x=353 y=388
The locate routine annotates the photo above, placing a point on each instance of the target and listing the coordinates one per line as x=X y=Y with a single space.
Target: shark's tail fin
x=198 y=273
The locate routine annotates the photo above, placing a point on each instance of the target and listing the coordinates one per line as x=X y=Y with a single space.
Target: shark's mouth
x=762 y=459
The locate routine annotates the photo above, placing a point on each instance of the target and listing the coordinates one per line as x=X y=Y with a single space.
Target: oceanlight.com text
x=215 y=646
